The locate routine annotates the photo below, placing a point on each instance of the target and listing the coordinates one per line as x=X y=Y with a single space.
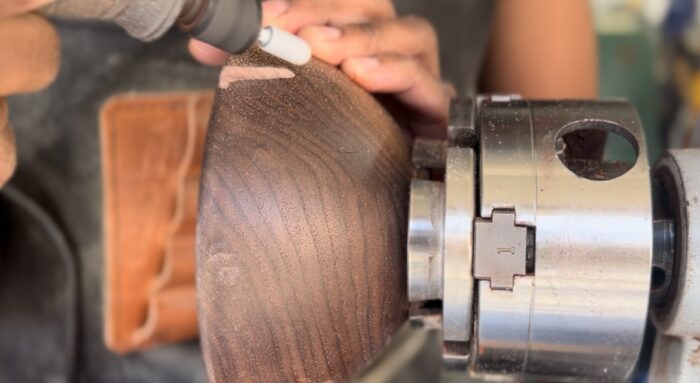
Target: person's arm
x=542 y=49
x=29 y=57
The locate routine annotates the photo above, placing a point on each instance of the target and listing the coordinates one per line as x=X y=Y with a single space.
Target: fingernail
x=273 y=9
x=365 y=63
x=327 y=33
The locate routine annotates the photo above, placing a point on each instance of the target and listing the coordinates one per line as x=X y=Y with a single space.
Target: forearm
x=542 y=49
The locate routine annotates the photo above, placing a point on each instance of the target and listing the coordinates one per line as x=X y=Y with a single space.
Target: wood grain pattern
x=301 y=232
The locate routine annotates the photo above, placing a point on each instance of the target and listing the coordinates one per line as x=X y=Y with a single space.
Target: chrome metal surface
x=458 y=285
x=500 y=249
x=461 y=130
x=425 y=240
x=675 y=355
x=583 y=312
x=570 y=303
x=455 y=357
x=675 y=360
x=503 y=339
x=679 y=170
x=508 y=165
x=440 y=229
x=662 y=261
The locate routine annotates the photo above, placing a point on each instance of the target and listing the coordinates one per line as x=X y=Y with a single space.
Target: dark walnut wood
x=301 y=271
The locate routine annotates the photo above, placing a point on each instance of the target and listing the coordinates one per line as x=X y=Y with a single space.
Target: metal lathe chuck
x=528 y=244
x=675 y=303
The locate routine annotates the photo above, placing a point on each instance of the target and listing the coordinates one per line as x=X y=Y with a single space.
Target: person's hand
x=29 y=57
x=383 y=53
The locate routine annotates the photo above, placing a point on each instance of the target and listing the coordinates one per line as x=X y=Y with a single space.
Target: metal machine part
x=426 y=241
x=507 y=244
x=553 y=240
x=457 y=254
x=440 y=248
x=679 y=175
x=676 y=356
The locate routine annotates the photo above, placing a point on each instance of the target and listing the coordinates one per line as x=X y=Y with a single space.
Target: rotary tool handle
x=231 y=25
x=143 y=20
x=85 y=9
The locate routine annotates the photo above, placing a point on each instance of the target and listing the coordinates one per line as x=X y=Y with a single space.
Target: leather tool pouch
x=151 y=154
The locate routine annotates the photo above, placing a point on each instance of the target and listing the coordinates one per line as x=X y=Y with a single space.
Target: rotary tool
x=230 y=25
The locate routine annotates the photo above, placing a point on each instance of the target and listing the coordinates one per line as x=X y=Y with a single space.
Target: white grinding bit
x=284 y=45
